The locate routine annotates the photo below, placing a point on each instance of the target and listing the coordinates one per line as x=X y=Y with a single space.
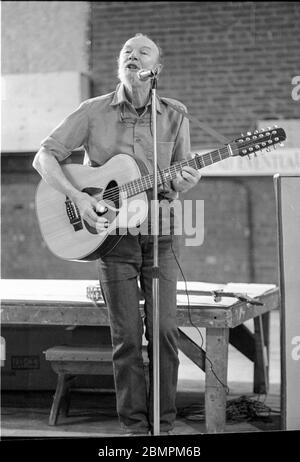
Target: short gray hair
x=160 y=52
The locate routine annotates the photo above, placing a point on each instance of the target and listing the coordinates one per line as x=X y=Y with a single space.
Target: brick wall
x=240 y=240
x=231 y=63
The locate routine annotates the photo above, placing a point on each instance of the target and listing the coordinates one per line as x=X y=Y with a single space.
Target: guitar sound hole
x=112 y=199
x=112 y=196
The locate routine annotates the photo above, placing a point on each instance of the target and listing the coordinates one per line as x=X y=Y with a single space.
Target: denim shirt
x=109 y=125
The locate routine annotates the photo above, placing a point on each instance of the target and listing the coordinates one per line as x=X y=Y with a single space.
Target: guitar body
x=72 y=238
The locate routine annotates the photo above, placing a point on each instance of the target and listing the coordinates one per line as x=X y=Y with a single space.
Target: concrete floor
x=93 y=414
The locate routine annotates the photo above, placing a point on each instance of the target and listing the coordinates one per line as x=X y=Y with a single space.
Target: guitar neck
x=199 y=161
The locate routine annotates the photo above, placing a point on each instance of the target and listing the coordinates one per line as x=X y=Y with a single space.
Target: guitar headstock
x=259 y=140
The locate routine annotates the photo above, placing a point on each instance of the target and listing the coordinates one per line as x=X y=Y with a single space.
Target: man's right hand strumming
x=88 y=206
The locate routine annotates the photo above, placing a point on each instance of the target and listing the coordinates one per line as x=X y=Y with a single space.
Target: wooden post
x=261 y=367
x=216 y=365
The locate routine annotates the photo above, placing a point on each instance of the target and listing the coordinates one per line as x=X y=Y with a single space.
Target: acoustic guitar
x=121 y=188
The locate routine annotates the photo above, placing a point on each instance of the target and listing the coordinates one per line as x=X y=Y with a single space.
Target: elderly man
x=120 y=122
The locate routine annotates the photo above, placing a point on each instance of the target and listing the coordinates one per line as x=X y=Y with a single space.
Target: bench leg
x=60 y=392
x=66 y=404
x=66 y=401
x=216 y=366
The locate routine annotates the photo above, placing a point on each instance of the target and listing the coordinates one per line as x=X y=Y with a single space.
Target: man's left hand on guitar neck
x=186 y=179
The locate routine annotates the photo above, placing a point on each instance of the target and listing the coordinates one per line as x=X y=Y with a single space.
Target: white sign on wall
x=284 y=160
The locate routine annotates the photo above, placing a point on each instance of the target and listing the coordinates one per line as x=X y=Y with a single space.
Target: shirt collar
x=120 y=97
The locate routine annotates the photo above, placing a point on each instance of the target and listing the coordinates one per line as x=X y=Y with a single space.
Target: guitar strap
x=222 y=139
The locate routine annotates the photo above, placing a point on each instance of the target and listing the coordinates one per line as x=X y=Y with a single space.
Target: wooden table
x=64 y=302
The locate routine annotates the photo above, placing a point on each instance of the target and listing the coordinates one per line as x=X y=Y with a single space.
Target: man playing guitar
x=120 y=122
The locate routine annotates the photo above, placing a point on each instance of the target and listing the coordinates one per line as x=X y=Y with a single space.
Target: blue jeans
x=119 y=271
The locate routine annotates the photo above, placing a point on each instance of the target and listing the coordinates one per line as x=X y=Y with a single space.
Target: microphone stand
x=155 y=271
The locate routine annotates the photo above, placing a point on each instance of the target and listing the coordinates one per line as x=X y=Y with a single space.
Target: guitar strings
x=147 y=181
x=113 y=193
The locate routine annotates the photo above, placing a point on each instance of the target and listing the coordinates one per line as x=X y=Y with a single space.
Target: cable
x=238 y=409
x=196 y=327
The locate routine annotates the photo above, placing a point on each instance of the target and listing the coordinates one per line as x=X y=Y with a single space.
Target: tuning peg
x=256 y=132
x=281 y=144
x=275 y=126
x=274 y=146
x=242 y=135
x=249 y=133
x=269 y=128
x=262 y=129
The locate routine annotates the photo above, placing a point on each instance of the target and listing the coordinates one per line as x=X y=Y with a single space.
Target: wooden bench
x=69 y=362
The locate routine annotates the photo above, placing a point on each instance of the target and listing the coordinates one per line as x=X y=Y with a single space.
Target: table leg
x=216 y=366
x=261 y=364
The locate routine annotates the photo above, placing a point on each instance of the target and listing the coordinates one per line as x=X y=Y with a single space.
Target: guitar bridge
x=73 y=214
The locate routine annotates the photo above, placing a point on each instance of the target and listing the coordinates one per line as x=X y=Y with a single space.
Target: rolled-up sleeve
x=70 y=134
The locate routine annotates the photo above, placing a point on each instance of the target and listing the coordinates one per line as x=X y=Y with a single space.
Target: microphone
x=145 y=74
